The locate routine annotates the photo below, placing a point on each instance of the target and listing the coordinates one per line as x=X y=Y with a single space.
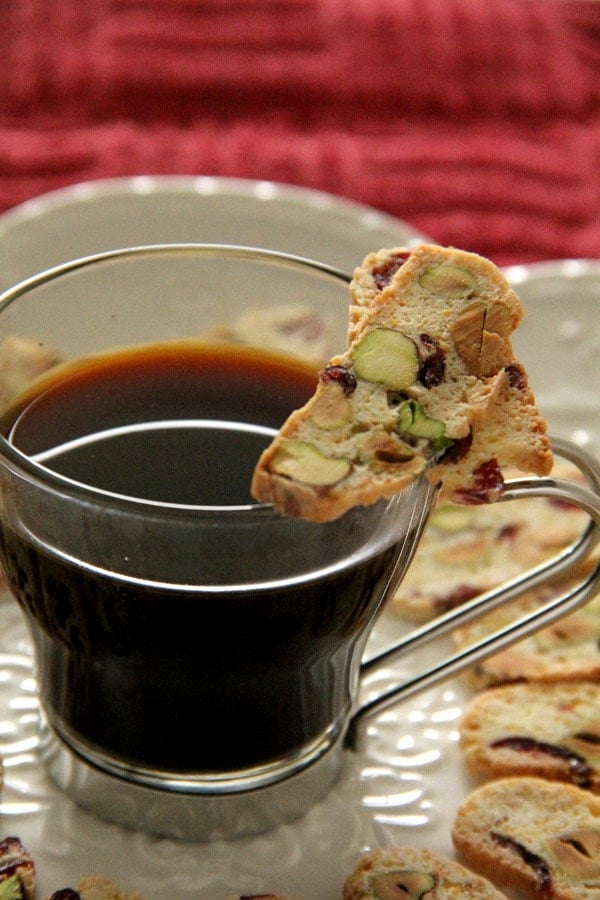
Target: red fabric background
x=478 y=121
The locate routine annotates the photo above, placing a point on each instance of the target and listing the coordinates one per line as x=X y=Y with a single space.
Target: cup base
x=191 y=814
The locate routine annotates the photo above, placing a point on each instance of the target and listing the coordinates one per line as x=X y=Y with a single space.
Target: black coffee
x=182 y=680
x=143 y=422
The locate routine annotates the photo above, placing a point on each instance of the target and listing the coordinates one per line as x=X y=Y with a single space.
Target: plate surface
x=559 y=342
x=103 y=215
x=407 y=782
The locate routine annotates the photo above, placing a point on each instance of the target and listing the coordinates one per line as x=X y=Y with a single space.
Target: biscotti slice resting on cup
x=537 y=836
x=545 y=730
x=429 y=383
x=409 y=873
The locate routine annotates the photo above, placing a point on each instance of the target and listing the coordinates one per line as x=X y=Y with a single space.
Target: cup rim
x=24 y=464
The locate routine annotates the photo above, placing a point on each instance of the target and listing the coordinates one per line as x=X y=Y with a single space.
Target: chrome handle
x=587 y=499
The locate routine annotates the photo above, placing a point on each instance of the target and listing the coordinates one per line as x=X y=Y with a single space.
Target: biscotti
x=567 y=650
x=538 y=836
x=411 y=873
x=467 y=550
x=21 y=362
x=429 y=383
x=544 y=730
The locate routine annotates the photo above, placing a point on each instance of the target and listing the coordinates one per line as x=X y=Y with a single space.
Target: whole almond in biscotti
x=429 y=383
x=537 y=836
x=410 y=873
x=545 y=730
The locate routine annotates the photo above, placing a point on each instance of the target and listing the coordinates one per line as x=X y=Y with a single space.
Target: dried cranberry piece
x=508 y=532
x=341 y=375
x=383 y=274
x=457 y=450
x=559 y=503
x=8 y=869
x=579 y=770
x=14 y=859
x=531 y=859
x=457 y=597
x=516 y=377
x=487 y=483
x=588 y=736
x=432 y=361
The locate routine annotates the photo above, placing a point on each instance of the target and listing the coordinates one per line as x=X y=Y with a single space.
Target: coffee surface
x=159 y=423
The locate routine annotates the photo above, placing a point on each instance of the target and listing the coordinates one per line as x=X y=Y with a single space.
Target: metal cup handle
x=587 y=499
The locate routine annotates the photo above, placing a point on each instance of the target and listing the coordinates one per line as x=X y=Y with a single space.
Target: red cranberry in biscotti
x=432 y=361
x=383 y=273
x=458 y=449
x=340 y=375
x=486 y=486
x=516 y=377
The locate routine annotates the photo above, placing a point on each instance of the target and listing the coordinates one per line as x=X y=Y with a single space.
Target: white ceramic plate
x=103 y=215
x=407 y=783
x=559 y=342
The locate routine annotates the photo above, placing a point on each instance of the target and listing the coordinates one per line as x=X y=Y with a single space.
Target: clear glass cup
x=198 y=656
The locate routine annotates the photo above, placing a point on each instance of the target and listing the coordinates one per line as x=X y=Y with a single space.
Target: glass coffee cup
x=199 y=657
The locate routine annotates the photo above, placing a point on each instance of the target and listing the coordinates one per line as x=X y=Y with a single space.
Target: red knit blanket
x=477 y=121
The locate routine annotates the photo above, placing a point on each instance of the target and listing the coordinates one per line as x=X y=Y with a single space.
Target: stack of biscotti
x=409 y=873
x=540 y=837
x=429 y=384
